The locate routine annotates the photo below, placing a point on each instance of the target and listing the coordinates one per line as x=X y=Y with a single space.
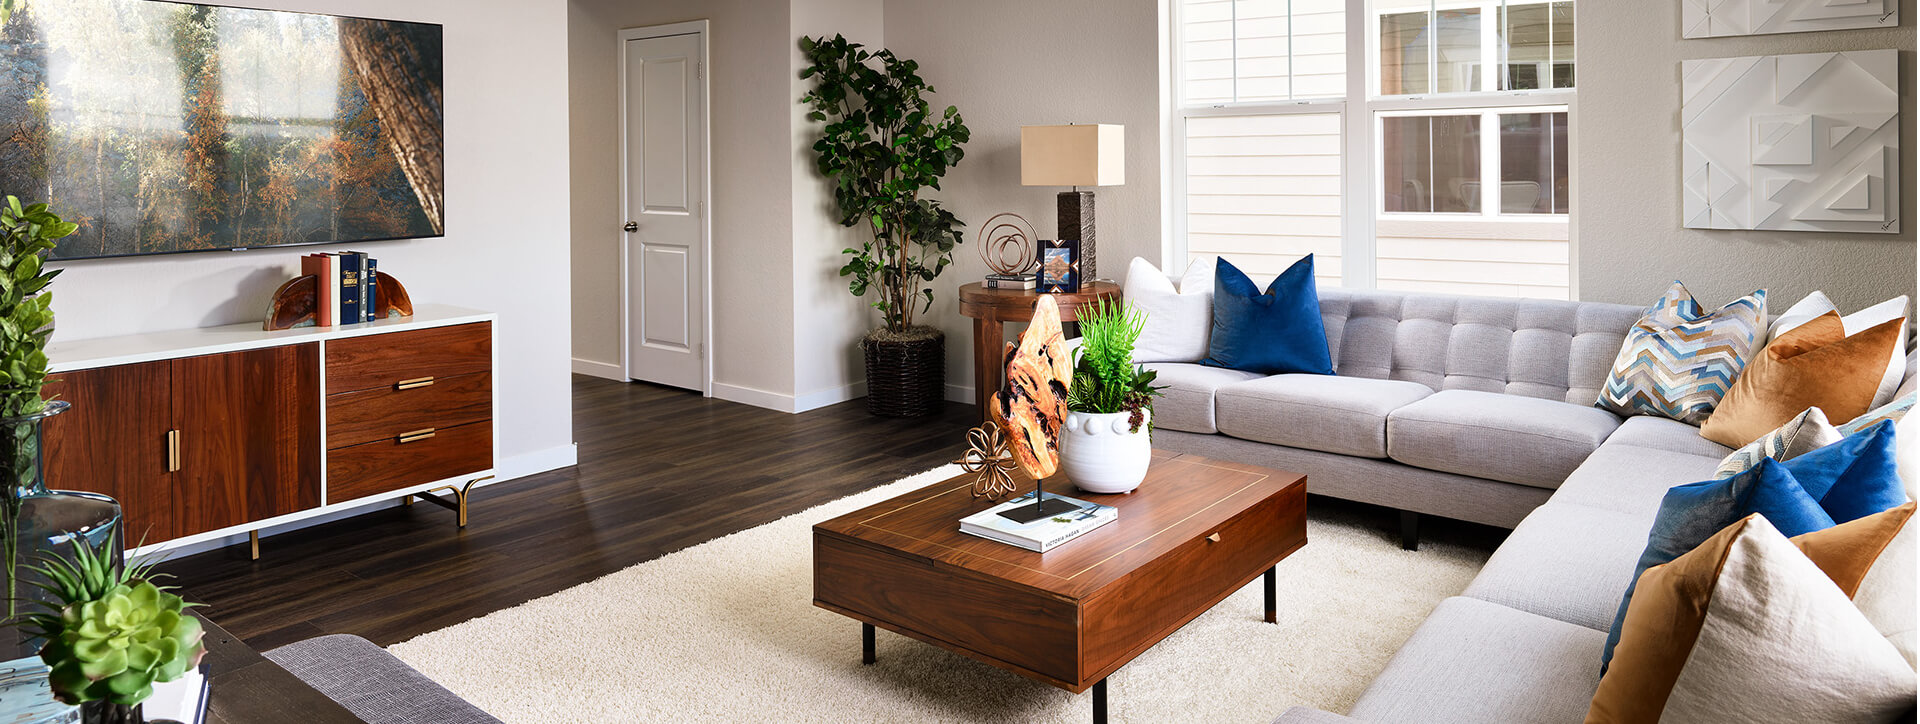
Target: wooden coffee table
x=1196 y=531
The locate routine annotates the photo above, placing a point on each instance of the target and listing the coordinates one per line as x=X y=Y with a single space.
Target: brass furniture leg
x=406 y=500
x=459 y=502
x=253 y=541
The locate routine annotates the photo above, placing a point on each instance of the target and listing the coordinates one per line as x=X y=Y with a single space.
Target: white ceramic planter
x=1099 y=454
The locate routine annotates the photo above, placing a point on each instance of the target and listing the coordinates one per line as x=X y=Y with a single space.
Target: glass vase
x=39 y=522
x=106 y=712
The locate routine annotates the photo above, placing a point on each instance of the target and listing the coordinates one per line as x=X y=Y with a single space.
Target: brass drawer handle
x=416 y=382
x=173 y=451
x=416 y=435
x=1215 y=538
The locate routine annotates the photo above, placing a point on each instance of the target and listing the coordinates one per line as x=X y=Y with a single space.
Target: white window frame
x=1361 y=166
x=1490 y=203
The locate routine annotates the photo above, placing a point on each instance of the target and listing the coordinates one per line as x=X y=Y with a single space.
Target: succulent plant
x=115 y=633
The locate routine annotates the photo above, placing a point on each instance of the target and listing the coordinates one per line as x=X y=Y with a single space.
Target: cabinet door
x=249 y=427
x=114 y=441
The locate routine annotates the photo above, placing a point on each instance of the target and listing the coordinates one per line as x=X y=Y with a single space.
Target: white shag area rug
x=726 y=631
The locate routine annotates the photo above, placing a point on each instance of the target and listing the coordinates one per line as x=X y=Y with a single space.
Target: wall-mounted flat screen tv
x=165 y=127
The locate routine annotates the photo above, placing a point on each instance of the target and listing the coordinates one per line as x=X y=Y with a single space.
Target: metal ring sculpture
x=999 y=241
x=991 y=462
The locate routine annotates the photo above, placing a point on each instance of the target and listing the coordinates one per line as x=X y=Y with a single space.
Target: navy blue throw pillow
x=1272 y=333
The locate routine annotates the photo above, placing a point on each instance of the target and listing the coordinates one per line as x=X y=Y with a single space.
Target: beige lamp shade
x=1082 y=155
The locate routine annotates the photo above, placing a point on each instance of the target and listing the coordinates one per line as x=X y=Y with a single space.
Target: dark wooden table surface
x=247 y=688
x=991 y=309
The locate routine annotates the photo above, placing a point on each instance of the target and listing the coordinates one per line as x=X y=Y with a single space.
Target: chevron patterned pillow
x=1678 y=360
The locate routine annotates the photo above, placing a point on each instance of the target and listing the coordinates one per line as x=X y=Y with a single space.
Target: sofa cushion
x=1632 y=479
x=1509 y=438
x=1531 y=347
x=1474 y=661
x=1186 y=403
x=1661 y=433
x=1566 y=562
x=1177 y=320
x=1346 y=415
x=371 y=683
x=1680 y=358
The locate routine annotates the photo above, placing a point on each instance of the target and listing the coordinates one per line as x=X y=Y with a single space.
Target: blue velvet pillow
x=1272 y=333
x=1845 y=481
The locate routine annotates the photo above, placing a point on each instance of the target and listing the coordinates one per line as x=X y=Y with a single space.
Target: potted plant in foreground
x=33 y=520
x=111 y=633
x=1107 y=444
x=882 y=147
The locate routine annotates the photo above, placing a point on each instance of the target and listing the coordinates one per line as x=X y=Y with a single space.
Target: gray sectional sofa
x=1477 y=409
x=1472 y=408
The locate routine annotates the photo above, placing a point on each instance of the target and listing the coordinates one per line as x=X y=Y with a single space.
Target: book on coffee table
x=1041 y=535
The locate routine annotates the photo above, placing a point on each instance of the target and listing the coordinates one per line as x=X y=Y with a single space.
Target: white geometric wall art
x=1717 y=18
x=1792 y=142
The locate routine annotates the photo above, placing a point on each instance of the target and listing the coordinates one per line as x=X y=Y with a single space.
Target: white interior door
x=664 y=241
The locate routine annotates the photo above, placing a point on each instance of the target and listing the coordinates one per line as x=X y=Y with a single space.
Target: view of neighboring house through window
x=1429 y=153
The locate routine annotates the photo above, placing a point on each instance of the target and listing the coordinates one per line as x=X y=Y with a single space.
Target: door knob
x=632 y=226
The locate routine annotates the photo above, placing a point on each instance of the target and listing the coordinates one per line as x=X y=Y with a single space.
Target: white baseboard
x=595 y=368
x=830 y=396
x=960 y=393
x=518 y=466
x=753 y=396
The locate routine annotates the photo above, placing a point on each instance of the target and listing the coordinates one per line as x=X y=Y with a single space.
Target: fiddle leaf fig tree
x=882 y=146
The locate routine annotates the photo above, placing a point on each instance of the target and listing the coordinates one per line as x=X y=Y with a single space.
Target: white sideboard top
x=133 y=348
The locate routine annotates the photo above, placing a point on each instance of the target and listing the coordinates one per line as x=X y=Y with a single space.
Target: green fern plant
x=1105 y=379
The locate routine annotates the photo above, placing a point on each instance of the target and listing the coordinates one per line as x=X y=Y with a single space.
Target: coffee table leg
x=1100 y=702
x=866 y=643
x=1273 y=576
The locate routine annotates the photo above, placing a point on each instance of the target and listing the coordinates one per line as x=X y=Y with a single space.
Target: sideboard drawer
x=388 y=464
x=364 y=416
x=398 y=359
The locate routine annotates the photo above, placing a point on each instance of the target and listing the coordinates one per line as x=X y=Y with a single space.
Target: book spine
x=366 y=287
x=315 y=266
x=998 y=537
x=373 y=290
x=1074 y=532
x=349 y=288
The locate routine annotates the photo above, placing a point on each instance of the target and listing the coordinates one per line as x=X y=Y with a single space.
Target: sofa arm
x=1303 y=715
x=372 y=684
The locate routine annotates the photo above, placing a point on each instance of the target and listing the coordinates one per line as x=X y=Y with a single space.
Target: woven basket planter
x=906 y=377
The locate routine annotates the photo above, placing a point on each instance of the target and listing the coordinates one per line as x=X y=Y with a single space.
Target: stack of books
x=1011 y=281
x=1041 y=535
x=349 y=293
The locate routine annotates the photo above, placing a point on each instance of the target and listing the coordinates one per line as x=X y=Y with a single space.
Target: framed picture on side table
x=1059 y=266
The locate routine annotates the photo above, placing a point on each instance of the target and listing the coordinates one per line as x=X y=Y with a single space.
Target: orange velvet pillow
x=1813 y=365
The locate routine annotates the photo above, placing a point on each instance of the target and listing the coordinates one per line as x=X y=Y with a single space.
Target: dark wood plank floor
x=660 y=470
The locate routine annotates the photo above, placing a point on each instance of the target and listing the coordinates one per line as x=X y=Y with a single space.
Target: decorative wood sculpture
x=295 y=304
x=990 y=461
x=1033 y=406
x=394 y=301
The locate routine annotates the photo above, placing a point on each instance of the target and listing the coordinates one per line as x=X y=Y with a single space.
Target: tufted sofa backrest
x=1528 y=347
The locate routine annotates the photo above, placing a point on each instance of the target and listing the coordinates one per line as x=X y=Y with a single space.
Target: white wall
x=1629 y=243
x=828 y=321
x=506 y=203
x=1010 y=63
x=752 y=254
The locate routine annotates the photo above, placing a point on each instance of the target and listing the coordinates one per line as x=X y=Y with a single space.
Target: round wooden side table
x=991 y=309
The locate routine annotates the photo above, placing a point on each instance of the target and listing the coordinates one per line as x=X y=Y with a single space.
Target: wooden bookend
x=295 y=304
x=394 y=301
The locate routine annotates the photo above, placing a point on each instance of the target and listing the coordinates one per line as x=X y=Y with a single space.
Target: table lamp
x=1074 y=156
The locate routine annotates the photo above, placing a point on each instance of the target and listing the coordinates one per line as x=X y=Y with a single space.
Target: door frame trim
x=705 y=344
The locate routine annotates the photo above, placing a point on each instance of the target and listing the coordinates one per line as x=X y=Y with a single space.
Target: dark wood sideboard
x=208 y=433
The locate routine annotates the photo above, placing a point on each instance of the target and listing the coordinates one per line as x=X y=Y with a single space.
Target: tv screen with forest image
x=164 y=127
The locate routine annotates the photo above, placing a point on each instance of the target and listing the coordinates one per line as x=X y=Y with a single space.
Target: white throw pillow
x=1817 y=303
x=1178 y=320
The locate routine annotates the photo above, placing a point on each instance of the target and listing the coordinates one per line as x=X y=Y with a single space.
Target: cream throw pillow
x=1178 y=320
x=1803 y=434
x=1817 y=303
x=1751 y=626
